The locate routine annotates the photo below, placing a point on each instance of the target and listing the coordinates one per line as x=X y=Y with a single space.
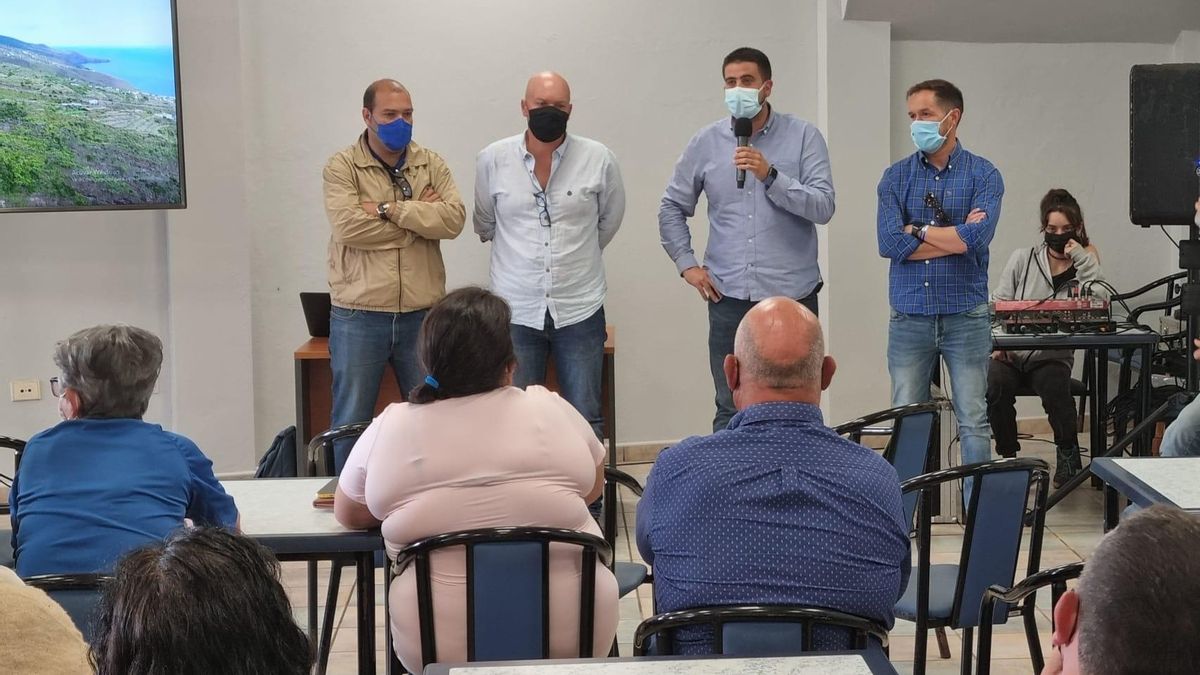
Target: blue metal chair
x=629 y=575
x=508 y=589
x=950 y=595
x=78 y=594
x=320 y=452
x=1023 y=593
x=913 y=445
x=757 y=630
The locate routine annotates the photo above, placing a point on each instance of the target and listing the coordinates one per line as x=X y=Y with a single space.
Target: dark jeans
x=361 y=345
x=723 y=319
x=578 y=352
x=1050 y=380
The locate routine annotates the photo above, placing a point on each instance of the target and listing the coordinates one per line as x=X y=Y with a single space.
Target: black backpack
x=280 y=459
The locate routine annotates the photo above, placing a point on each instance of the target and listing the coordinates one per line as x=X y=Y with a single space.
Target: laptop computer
x=316 y=313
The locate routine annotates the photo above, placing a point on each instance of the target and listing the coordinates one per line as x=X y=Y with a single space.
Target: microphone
x=742 y=128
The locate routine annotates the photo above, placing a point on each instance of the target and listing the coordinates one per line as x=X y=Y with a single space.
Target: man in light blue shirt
x=762 y=240
x=550 y=202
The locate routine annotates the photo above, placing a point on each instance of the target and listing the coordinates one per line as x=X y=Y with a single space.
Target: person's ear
x=69 y=405
x=1066 y=619
x=828 y=367
x=524 y=108
x=765 y=90
x=366 y=115
x=732 y=376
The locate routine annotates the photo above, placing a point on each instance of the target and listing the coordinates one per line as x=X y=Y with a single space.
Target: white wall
x=644 y=77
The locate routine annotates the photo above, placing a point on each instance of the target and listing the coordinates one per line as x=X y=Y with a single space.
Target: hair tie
x=429 y=380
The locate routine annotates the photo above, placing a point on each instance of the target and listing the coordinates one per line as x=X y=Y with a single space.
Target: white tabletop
x=825 y=665
x=282 y=507
x=1176 y=478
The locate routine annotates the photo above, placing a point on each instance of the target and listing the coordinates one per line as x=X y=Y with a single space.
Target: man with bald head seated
x=549 y=202
x=776 y=509
x=390 y=203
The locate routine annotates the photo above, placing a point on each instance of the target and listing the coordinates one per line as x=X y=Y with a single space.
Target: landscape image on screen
x=88 y=109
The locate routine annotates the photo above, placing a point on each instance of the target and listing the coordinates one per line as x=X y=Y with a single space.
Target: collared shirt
x=91 y=490
x=953 y=283
x=554 y=267
x=761 y=240
x=776 y=509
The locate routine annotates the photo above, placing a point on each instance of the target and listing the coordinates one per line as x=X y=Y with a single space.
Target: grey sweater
x=1027 y=277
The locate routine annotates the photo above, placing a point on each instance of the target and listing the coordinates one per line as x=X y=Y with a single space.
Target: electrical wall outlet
x=25 y=390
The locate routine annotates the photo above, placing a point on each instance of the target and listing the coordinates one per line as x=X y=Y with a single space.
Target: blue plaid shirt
x=953 y=283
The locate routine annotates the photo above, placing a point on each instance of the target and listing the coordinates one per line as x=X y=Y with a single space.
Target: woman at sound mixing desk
x=1064 y=263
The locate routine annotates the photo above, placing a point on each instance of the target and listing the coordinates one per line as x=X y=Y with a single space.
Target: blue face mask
x=742 y=101
x=927 y=135
x=395 y=134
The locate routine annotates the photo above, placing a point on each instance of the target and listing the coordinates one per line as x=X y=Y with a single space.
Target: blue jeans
x=723 y=319
x=578 y=352
x=1182 y=437
x=964 y=341
x=361 y=345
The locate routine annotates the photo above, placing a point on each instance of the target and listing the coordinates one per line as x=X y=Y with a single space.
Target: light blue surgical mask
x=742 y=101
x=396 y=134
x=927 y=134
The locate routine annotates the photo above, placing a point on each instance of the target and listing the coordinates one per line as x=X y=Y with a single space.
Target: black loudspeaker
x=1164 y=143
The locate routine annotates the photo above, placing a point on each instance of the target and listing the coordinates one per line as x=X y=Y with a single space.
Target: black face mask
x=548 y=123
x=1058 y=242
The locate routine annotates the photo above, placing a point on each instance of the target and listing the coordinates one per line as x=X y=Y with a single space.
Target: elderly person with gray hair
x=776 y=509
x=103 y=482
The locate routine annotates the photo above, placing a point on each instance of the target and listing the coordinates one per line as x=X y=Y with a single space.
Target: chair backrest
x=996 y=518
x=1056 y=578
x=614 y=477
x=756 y=630
x=323 y=442
x=78 y=594
x=913 y=443
x=508 y=589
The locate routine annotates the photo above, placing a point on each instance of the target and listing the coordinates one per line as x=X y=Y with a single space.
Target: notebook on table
x=324 y=498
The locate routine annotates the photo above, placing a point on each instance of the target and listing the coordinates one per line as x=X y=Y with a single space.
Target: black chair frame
x=323 y=443
x=70 y=582
x=867 y=426
x=17 y=446
x=927 y=485
x=1023 y=593
x=662 y=626
x=418 y=554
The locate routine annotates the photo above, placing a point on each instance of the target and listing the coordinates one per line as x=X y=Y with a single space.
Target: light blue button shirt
x=556 y=268
x=762 y=240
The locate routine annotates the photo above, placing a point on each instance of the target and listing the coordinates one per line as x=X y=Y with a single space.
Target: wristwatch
x=771 y=176
x=382 y=210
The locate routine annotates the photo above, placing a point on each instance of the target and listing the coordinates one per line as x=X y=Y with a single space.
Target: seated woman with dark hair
x=204 y=601
x=471 y=451
x=1063 y=264
x=103 y=482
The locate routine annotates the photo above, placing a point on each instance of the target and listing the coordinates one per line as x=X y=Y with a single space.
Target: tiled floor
x=1073 y=529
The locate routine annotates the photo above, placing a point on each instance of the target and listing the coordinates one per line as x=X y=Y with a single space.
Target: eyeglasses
x=402 y=183
x=57 y=387
x=543 y=204
x=939 y=216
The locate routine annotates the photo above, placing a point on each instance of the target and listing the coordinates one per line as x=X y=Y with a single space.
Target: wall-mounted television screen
x=89 y=105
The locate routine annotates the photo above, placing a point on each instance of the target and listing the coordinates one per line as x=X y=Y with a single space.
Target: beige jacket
x=36 y=635
x=392 y=265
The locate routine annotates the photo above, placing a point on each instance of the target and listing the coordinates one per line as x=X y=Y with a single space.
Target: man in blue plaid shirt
x=937 y=213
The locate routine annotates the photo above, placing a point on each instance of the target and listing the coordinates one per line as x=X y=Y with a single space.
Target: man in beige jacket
x=390 y=203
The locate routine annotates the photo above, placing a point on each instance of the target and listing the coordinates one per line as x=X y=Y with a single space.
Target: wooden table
x=314 y=394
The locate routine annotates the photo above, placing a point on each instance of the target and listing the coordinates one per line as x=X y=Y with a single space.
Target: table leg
x=312 y=599
x=302 y=430
x=1099 y=439
x=366 y=612
x=1145 y=384
x=1112 y=511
